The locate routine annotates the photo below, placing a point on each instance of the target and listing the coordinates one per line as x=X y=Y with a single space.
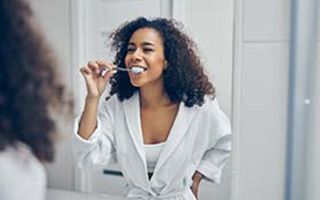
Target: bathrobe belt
x=141 y=194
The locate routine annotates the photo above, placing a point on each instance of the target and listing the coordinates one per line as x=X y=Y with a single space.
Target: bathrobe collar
x=180 y=126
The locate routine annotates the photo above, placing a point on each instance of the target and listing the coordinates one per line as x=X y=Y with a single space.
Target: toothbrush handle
x=122 y=69
x=103 y=71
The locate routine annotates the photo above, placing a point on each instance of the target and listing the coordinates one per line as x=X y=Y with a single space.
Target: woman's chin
x=136 y=83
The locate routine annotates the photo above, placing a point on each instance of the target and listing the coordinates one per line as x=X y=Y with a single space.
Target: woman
x=163 y=127
x=28 y=88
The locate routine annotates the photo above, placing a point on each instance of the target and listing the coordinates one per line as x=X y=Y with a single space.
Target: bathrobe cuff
x=96 y=151
x=215 y=158
x=210 y=172
x=85 y=142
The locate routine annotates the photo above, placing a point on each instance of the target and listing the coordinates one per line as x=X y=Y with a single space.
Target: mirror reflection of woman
x=29 y=90
x=162 y=126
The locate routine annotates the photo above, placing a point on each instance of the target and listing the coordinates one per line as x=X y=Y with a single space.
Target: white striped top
x=153 y=152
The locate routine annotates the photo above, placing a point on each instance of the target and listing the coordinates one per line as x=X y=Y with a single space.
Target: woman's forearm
x=88 y=120
x=196 y=178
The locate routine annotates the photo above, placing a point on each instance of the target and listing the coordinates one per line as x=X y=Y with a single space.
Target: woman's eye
x=148 y=50
x=130 y=49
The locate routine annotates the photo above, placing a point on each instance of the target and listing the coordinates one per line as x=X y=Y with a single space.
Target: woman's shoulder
x=109 y=102
x=114 y=100
x=22 y=175
x=211 y=109
x=18 y=160
x=18 y=154
x=210 y=104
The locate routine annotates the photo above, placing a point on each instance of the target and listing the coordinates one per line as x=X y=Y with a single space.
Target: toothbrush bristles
x=137 y=70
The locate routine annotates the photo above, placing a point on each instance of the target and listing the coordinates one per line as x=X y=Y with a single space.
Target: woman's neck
x=153 y=97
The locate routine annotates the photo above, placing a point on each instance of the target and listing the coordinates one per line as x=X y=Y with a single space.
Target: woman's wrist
x=92 y=99
x=197 y=176
x=91 y=105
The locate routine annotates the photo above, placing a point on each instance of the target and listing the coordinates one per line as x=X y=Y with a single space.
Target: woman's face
x=145 y=49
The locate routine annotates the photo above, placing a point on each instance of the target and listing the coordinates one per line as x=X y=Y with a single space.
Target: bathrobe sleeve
x=99 y=149
x=219 y=147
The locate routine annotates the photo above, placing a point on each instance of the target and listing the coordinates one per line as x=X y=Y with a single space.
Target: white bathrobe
x=199 y=140
x=22 y=176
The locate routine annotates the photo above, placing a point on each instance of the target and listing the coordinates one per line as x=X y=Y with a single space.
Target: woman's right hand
x=96 y=83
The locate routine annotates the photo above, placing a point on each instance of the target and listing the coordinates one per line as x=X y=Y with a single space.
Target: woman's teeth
x=137 y=70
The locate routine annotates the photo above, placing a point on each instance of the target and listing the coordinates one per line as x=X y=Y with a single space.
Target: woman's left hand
x=197 y=176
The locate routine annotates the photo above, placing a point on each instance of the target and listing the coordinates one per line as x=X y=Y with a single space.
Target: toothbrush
x=135 y=70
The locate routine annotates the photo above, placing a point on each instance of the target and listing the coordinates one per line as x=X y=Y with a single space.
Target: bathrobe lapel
x=180 y=126
x=132 y=115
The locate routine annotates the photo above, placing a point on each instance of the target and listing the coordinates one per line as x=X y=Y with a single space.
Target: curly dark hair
x=28 y=82
x=184 y=78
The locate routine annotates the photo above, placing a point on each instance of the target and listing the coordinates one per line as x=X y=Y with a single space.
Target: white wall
x=210 y=23
x=214 y=39
x=260 y=98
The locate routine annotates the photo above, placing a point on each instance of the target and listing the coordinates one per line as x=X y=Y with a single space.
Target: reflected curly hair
x=184 y=77
x=28 y=82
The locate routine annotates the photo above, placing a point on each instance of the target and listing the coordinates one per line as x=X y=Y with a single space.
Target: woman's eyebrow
x=143 y=44
x=147 y=44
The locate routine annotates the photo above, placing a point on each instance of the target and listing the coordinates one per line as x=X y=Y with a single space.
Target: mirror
x=77 y=31
x=248 y=60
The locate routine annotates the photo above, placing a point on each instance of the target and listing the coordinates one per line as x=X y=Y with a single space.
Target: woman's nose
x=136 y=55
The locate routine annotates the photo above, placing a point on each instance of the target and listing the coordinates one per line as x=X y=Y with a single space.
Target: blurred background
x=263 y=58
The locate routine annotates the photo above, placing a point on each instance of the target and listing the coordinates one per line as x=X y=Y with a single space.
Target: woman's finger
x=105 y=69
x=85 y=70
x=109 y=74
x=105 y=64
x=94 y=67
